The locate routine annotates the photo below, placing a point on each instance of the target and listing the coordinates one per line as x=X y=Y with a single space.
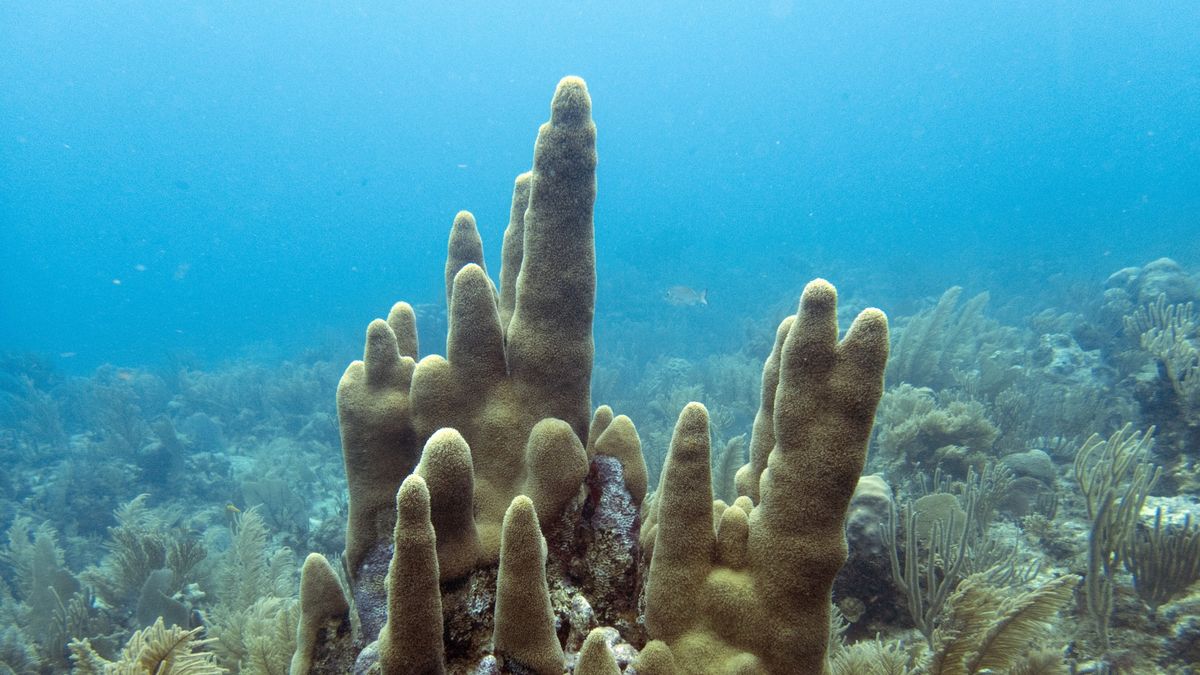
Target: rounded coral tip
x=572 y=105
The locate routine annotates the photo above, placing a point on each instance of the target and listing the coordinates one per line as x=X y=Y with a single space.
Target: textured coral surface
x=515 y=543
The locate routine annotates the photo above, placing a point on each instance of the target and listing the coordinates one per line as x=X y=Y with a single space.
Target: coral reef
x=918 y=432
x=482 y=516
x=508 y=473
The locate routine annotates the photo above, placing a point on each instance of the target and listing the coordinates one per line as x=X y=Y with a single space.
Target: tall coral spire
x=548 y=347
x=524 y=623
x=411 y=640
x=755 y=594
x=379 y=445
x=514 y=247
x=465 y=247
x=498 y=434
x=824 y=410
x=513 y=359
x=447 y=471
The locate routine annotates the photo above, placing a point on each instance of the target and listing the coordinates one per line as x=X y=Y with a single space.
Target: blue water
x=266 y=177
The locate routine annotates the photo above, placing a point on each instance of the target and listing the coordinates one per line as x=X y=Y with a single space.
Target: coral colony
x=1026 y=506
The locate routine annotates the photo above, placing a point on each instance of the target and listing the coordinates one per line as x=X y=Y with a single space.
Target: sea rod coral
x=495 y=528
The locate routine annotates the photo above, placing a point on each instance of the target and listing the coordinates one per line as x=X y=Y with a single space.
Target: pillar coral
x=411 y=640
x=518 y=519
x=515 y=380
x=754 y=593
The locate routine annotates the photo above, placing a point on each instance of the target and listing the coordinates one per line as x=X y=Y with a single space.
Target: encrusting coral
x=493 y=529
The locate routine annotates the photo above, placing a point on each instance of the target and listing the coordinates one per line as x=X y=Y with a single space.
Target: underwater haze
x=204 y=204
x=271 y=174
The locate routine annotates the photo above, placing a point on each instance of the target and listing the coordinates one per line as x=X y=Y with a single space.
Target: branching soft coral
x=916 y=429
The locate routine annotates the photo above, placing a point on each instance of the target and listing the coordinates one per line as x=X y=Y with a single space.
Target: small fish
x=67 y=355
x=685 y=296
x=140 y=267
x=231 y=509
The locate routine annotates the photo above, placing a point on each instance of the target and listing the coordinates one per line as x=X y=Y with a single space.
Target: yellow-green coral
x=498 y=435
x=524 y=623
x=755 y=593
x=378 y=441
x=502 y=381
x=446 y=467
x=411 y=640
x=324 y=611
x=595 y=658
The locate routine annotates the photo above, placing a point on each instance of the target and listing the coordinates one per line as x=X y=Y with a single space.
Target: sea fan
x=988 y=633
x=156 y=650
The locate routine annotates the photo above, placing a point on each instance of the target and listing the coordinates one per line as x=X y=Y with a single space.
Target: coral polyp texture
x=496 y=525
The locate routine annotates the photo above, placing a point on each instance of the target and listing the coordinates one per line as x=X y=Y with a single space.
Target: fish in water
x=685 y=296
